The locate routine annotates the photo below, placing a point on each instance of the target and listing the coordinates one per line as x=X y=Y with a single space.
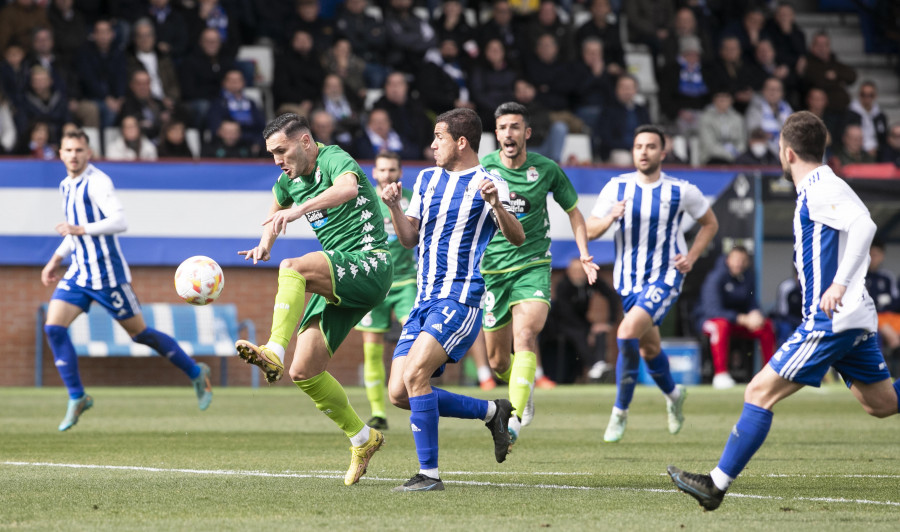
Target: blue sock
x=424 y=424
x=627 y=370
x=450 y=404
x=66 y=359
x=746 y=438
x=897 y=389
x=166 y=346
x=658 y=368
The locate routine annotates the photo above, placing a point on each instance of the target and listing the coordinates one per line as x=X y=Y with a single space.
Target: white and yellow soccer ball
x=199 y=280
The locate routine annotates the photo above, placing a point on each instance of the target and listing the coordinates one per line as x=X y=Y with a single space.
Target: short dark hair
x=650 y=128
x=740 y=248
x=805 y=133
x=512 y=108
x=462 y=122
x=877 y=242
x=392 y=155
x=76 y=133
x=289 y=123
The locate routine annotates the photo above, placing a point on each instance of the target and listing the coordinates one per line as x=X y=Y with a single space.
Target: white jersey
x=826 y=206
x=455 y=226
x=97 y=260
x=649 y=234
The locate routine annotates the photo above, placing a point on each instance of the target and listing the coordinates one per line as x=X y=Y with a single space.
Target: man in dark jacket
x=202 y=73
x=728 y=307
x=824 y=71
x=102 y=71
x=621 y=117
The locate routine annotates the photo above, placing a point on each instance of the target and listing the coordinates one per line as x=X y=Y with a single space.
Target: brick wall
x=251 y=289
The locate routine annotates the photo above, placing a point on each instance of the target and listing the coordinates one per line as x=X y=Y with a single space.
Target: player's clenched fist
x=391 y=194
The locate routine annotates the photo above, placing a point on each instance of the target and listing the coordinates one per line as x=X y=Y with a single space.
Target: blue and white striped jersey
x=455 y=226
x=97 y=260
x=826 y=206
x=649 y=235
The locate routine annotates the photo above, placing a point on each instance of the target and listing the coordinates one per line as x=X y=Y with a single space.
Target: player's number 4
x=449 y=315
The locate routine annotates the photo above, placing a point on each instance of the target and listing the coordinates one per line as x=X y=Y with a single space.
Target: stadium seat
x=374 y=12
x=256 y=95
x=372 y=96
x=488 y=143
x=261 y=57
x=93 y=135
x=577 y=145
x=640 y=65
x=110 y=135
x=192 y=139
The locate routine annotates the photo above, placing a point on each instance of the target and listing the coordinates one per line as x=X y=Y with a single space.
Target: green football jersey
x=404 y=259
x=528 y=188
x=351 y=226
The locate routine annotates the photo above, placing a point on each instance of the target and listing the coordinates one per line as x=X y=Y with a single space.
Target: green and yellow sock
x=521 y=379
x=289 y=302
x=504 y=377
x=373 y=376
x=331 y=399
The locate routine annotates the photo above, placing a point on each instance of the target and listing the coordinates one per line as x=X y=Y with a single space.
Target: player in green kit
x=346 y=280
x=517 y=279
x=400 y=299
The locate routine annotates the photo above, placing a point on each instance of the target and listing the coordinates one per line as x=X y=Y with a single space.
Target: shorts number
x=117 y=301
x=450 y=315
x=655 y=294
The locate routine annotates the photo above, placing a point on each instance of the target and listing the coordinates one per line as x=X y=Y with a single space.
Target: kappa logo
x=539 y=293
x=374 y=263
x=438 y=327
x=365 y=266
x=368 y=247
x=382 y=257
x=368 y=227
x=353 y=270
x=340 y=272
x=361 y=200
x=368 y=239
x=366 y=214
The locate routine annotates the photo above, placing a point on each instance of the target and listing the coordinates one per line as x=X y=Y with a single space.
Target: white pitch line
x=231 y=472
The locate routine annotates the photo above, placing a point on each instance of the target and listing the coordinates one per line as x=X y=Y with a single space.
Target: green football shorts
x=505 y=290
x=360 y=281
x=400 y=300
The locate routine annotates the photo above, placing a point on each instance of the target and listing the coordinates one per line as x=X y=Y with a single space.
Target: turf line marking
x=231 y=472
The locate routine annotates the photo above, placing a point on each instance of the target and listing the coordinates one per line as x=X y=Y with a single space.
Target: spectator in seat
x=757 y=152
x=817 y=104
x=452 y=24
x=891 y=153
x=367 y=38
x=173 y=142
x=882 y=286
x=768 y=110
x=227 y=143
x=139 y=102
x=341 y=61
x=729 y=308
x=36 y=143
x=749 y=31
x=298 y=76
x=103 y=72
x=547 y=22
x=787 y=38
x=18 y=19
x=850 y=151
x=407 y=115
x=556 y=82
x=70 y=29
x=307 y=17
x=201 y=76
x=144 y=55
x=324 y=130
x=619 y=120
x=344 y=111
x=594 y=92
x=442 y=83
x=408 y=37
x=731 y=72
x=131 y=144
x=379 y=136
x=501 y=25
x=649 y=22
x=684 y=87
x=45 y=103
x=824 y=71
x=492 y=82
x=603 y=26
x=685 y=25
x=767 y=66
x=213 y=14
x=788 y=312
x=43 y=54
x=14 y=74
x=235 y=105
x=865 y=111
x=723 y=133
x=547 y=135
x=172 y=30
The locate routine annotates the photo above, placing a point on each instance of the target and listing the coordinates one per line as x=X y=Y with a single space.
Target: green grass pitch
x=266 y=459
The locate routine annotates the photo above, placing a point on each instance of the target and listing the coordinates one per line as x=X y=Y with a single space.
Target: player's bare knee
x=290 y=264
x=299 y=374
x=881 y=410
x=399 y=397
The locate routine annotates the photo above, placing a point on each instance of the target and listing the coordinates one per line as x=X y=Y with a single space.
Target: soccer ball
x=199 y=280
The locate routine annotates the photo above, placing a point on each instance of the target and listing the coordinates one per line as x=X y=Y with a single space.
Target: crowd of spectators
x=725 y=71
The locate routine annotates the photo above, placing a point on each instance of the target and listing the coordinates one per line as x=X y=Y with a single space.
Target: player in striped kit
x=832 y=235
x=646 y=209
x=455 y=210
x=98 y=273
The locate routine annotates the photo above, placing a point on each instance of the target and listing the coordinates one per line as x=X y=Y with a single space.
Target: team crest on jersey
x=519 y=205
x=317 y=218
x=531 y=174
x=489 y=319
x=318 y=175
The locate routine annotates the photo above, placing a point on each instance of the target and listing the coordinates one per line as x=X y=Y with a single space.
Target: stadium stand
x=210 y=330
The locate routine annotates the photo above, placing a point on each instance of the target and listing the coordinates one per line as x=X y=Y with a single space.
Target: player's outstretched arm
x=344 y=189
x=508 y=223
x=709 y=226
x=406 y=227
x=579 y=229
x=261 y=251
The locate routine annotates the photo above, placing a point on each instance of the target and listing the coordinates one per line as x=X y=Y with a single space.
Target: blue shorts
x=657 y=299
x=807 y=355
x=120 y=302
x=453 y=324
